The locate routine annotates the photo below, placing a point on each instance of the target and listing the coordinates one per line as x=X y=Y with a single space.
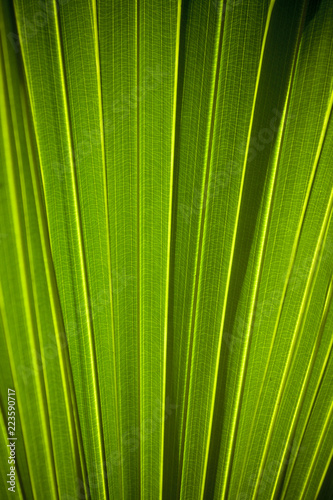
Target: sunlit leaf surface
x=166 y=249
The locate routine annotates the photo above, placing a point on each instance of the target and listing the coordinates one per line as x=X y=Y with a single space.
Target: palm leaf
x=166 y=248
